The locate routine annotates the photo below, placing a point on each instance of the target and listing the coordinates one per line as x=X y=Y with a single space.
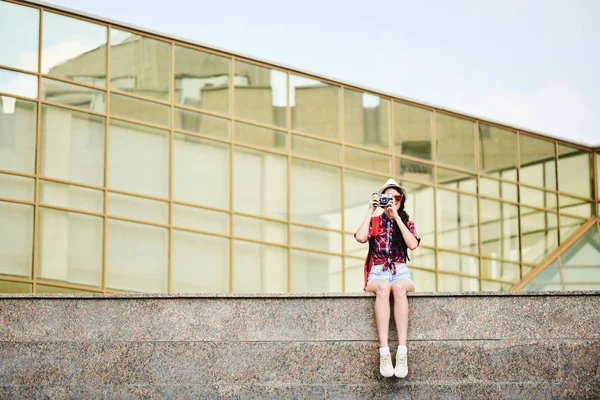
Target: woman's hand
x=391 y=211
x=373 y=202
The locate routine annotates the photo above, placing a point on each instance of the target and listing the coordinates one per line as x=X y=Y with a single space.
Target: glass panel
x=414 y=170
x=315 y=107
x=14 y=287
x=17 y=187
x=141 y=110
x=354 y=275
x=368 y=160
x=262 y=137
x=201 y=219
x=55 y=289
x=569 y=225
x=499 y=230
x=353 y=248
x=413 y=131
x=538 y=198
x=138 y=208
x=358 y=187
x=451 y=283
x=140 y=65
x=312 y=272
x=584 y=253
x=202 y=123
x=456 y=180
x=424 y=281
x=318 y=149
x=420 y=208
x=540 y=234
x=260 y=94
x=261 y=182
x=138 y=159
x=70 y=247
x=321 y=206
x=21 y=25
x=457 y=221
x=259 y=268
x=73 y=95
x=259 y=229
x=366 y=120
x=577 y=207
x=201 y=171
x=316 y=239
x=573 y=162
x=500 y=270
x=69 y=196
x=17 y=134
x=550 y=274
x=458 y=263
x=18 y=83
x=200 y=263
x=497 y=149
x=202 y=80
x=538 y=167
x=16 y=239
x=137 y=257
x=74 y=49
x=456 y=141
x=422 y=257
x=72 y=146
x=489 y=286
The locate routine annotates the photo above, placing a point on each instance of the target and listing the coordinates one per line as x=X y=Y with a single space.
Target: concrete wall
x=484 y=345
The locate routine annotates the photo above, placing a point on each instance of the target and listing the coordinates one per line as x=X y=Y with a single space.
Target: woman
x=390 y=235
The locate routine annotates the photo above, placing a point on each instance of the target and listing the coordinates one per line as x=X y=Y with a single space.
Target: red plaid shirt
x=383 y=254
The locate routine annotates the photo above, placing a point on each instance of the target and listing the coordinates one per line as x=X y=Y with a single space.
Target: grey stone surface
x=295 y=318
x=296 y=346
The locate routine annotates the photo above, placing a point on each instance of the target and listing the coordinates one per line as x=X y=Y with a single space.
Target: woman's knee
x=399 y=289
x=383 y=289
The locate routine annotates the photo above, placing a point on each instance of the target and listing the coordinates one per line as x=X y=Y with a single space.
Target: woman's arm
x=362 y=233
x=411 y=241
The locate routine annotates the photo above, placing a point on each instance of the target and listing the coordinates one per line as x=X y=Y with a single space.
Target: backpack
x=374 y=228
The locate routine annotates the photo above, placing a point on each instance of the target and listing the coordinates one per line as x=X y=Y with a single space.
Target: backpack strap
x=368 y=262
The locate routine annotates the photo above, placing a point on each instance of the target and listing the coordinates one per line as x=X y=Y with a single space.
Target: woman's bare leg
x=399 y=290
x=382 y=290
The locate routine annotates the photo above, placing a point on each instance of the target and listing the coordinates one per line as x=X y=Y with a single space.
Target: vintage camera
x=384 y=199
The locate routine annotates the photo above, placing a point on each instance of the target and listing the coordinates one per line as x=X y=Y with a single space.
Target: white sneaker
x=401 y=369
x=386 y=368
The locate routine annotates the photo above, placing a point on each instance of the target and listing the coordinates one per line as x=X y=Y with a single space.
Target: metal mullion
x=460 y=191
x=15 y=279
x=141 y=97
x=459 y=274
x=260 y=124
x=71 y=183
x=369 y=149
x=136 y=31
x=263 y=149
x=74 y=83
x=414 y=159
x=138 y=122
x=455 y=114
x=342 y=114
x=321 y=228
x=316 y=160
x=67 y=209
x=36 y=207
x=557 y=202
x=289 y=182
x=192 y=230
x=459 y=252
x=259 y=63
x=552 y=256
x=478 y=153
x=171 y=141
x=315 y=137
x=198 y=47
x=202 y=207
x=231 y=168
x=138 y=195
x=413 y=104
x=458 y=169
x=311 y=250
x=68 y=107
x=18 y=97
x=70 y=286
x=16 y=201
x=138 y=221
x=23 y=71
x=500 y=200
x=383 y=175
x=262 y=242
x=15 y=173
x=561 y=274
x=202 y=136
x=501 y=180
x=200 y=111
x=435 y=196
x=314 y=77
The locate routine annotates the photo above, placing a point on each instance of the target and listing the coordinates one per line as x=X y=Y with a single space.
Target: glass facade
x=132 y=162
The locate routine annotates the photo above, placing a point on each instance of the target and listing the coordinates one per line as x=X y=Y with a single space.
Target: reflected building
x=131 y=161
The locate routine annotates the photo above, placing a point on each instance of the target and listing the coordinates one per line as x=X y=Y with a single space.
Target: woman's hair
x=398 y=243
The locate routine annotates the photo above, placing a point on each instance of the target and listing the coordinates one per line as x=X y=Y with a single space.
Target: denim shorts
x=378 y=273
